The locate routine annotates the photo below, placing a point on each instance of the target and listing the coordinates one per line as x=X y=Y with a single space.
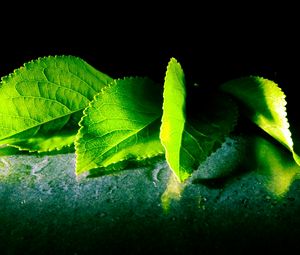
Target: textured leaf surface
x=41 y=103
x=265 y=105
x=173 y=118
x=122 y=123
x=191 y=134
x=209 y=122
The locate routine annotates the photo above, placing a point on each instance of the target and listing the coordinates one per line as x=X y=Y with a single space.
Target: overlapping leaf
x=122 y=123
x=41 y=103
x=189 y=138
x=264 y=103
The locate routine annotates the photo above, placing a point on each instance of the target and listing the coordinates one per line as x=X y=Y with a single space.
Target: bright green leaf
x=264 y=103
x=173 y=118
x=121 y=124
x=190 y=138
x=41 y=103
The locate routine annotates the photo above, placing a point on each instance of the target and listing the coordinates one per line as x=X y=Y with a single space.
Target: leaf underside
x=120 y=125
x=264 y=103
x=41 y=103
x=209 y=123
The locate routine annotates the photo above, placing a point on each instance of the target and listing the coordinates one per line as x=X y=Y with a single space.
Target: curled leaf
x=264 y=103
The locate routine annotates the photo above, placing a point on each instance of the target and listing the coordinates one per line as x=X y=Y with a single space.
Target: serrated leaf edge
x=290 y=143
x=5 y=79
x=102 y=91
x=27 y=64
x=172 y=60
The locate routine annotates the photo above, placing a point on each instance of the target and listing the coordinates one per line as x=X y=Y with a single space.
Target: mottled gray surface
x=45 y=209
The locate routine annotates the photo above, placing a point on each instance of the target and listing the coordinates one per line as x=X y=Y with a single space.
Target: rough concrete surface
x=46 y=209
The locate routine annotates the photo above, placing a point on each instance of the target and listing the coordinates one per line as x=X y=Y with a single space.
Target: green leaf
x=209 y=120
x=264 y=103
x=41 y=103
x=121 y=124
x=190 y=134
x=173 y=118
x=7 y=150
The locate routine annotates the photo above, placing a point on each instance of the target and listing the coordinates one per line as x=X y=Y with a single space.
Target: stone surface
x=46 y=209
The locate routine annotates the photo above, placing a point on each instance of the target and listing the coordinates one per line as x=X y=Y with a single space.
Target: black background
x=213 y=44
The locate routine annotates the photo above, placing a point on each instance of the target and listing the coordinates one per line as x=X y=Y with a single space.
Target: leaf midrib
x=48 y=99
x=127 y=137
x=41 y=123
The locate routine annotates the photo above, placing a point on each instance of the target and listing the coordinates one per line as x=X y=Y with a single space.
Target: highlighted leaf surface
x=41 y=103
x=173 y=118
x=122 y=123
x=189 y=137
x=264 y=104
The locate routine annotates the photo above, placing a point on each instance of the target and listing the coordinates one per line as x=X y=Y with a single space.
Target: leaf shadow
x=122 y=166
x=257 y=142
x=12 y=151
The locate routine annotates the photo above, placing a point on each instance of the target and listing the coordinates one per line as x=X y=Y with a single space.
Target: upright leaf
x=41 y=103
x=121 y=123
x=190 y=135
x=173 y=118
x=264 y=103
